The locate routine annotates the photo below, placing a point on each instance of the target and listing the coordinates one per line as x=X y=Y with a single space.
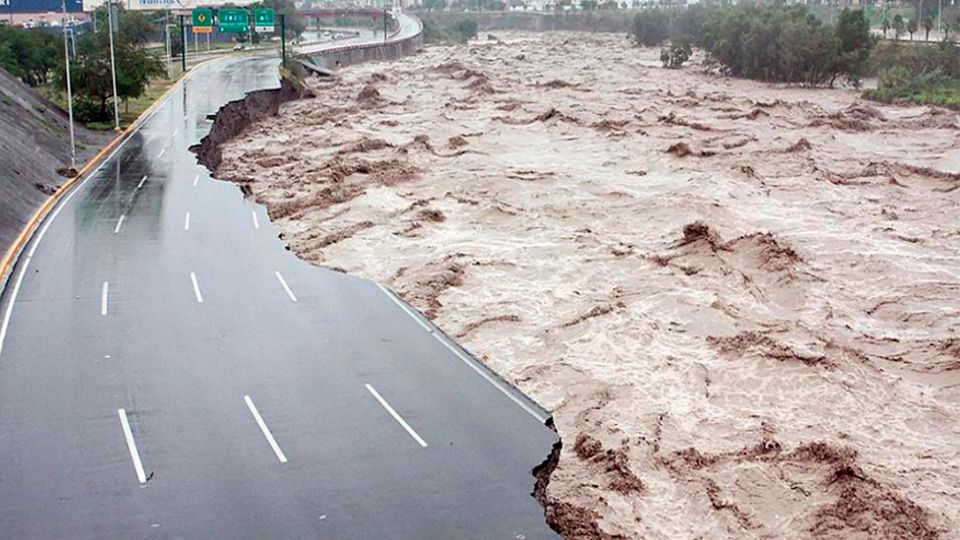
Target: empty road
x=169 y=370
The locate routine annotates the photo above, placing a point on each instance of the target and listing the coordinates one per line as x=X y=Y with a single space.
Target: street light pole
x=113 y=70
x=66 y=55
x=169 y=49
x=183 y=46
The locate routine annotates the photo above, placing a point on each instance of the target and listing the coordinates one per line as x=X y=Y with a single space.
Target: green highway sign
x=263 y=20
x=202 y=21
x=233 y=21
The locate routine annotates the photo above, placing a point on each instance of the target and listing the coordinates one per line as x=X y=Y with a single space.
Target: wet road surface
x=168 y=370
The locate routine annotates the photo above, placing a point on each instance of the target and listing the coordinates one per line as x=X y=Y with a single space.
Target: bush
x=650 y=27
x=899 y=85
x=451 y=31
x=87 y=111
x=787 y=44
x=916 y=58
x=678 y=53
x=29 y=54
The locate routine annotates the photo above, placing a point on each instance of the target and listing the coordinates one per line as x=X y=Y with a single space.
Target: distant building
x=34 y=13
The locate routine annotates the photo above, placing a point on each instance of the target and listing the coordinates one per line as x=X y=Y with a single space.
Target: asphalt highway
x=169 y=370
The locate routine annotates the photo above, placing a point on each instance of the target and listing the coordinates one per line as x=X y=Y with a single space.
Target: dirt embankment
x=238 y=115
x=740 y=301
x=34 y=153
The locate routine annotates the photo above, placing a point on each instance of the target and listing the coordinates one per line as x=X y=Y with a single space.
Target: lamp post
x=113 y=70
x=66 y=55
x=183 y=46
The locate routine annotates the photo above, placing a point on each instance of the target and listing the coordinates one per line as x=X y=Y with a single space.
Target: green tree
x=912 y=28
x=885 y=25
x=898 y=26
x=651 y=27
x=91 y=76
x=855 y=44
x=135 y=27
x=678 y=53
x=927 y=26
x=32 y=53
x=8 y=60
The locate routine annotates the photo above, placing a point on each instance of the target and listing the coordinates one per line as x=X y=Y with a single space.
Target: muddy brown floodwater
x=741 y=302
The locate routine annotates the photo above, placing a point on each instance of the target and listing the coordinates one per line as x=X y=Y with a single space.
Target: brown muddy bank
x=238 y=115
x=740 y=301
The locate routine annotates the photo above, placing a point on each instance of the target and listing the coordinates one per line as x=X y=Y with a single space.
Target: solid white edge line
x=196 y=288
x=119 y=223
x=265 y=430
x=103 y=297
x=13 y=299
x=56 y=212
x=404 y=308
x=285 y=286
x=186 y=222
x=482 y=372
x=256 y=222
x=142 y=180
x=132 y=446
x=396 y=416
x=196 y=179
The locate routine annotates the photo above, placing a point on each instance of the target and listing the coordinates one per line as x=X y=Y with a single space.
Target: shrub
x=916 y=58
x=451 y=31
x=650 y=27
x=899 y=85
x=678 y=53
x=787 y=44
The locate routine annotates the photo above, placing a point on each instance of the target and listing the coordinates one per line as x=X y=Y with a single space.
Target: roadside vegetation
x=769 y=43
x=91 y=77
x=788 y=44
x=449 y=29
x=36 y=57
x=916 y=73
x=29 y=55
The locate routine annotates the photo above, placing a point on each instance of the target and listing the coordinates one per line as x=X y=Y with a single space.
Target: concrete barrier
x=390 y=49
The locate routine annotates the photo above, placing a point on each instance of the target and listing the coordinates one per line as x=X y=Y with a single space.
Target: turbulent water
x=741 y=302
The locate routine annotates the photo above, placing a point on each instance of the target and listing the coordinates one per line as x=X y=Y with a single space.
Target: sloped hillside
x=34 y=144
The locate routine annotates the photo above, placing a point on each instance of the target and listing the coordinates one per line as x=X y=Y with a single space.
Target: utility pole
x=183 y=45
x=113 y=70
x=166 y=27
x=283 y=39
x=384 y=25
x=66 y=55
